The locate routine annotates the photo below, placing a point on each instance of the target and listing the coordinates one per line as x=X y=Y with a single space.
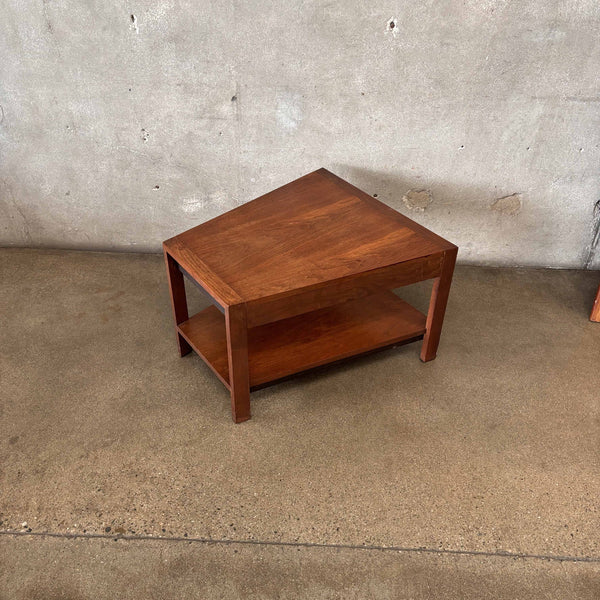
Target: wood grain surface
x=281 y=348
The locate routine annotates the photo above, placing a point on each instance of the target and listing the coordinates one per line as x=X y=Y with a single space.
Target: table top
x=316 y=229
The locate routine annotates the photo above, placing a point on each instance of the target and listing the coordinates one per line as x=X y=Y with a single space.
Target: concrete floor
x=479 y=469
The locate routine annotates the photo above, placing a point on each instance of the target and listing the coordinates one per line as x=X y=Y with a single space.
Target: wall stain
x=508 y=205
x=47 y=18
x=418 y=200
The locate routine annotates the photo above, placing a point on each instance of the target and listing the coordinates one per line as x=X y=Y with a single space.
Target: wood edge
x=407 y=338
x=337 y=280
x=236 y=333
x=201 y=355
x=339 y=361
x=202 y=290
x=595 y=314
x=436 y=312
x=453 y=252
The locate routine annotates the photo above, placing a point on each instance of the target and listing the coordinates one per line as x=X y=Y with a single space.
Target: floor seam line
x=374 y=548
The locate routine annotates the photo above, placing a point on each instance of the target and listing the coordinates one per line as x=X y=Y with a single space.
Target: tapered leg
x=178 y=301
x=437 y=306
x=595 y=316
x=237 y=353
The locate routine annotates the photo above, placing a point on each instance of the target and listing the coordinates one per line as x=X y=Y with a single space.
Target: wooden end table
x=302 y=277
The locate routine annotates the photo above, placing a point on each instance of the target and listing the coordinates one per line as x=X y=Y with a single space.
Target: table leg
x=437 y=307
x=237 y=354
x=595 y=316
x=178 y=301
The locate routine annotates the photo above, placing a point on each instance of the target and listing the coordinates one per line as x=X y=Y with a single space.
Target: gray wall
x=119 y=131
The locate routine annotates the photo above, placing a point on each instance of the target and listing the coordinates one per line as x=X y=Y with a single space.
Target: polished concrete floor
x=476 y=475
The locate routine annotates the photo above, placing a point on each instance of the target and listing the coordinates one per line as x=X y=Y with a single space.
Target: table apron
x=266 y=310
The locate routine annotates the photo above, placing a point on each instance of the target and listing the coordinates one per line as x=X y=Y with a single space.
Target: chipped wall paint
x=392 y=27
x=192 y=205
x=508 y=205
x=134 y=23
x=417 y=200
x=211 y=204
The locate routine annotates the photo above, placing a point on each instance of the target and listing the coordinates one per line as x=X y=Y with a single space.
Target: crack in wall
x=50 y=28
x=508 y=205
x=593 y=247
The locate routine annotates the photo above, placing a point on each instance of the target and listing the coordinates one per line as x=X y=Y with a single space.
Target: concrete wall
x=123 y=122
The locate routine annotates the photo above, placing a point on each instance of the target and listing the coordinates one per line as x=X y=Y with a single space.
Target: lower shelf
x=282 y=348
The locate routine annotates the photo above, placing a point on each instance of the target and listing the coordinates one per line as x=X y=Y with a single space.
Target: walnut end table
x=302 y=277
